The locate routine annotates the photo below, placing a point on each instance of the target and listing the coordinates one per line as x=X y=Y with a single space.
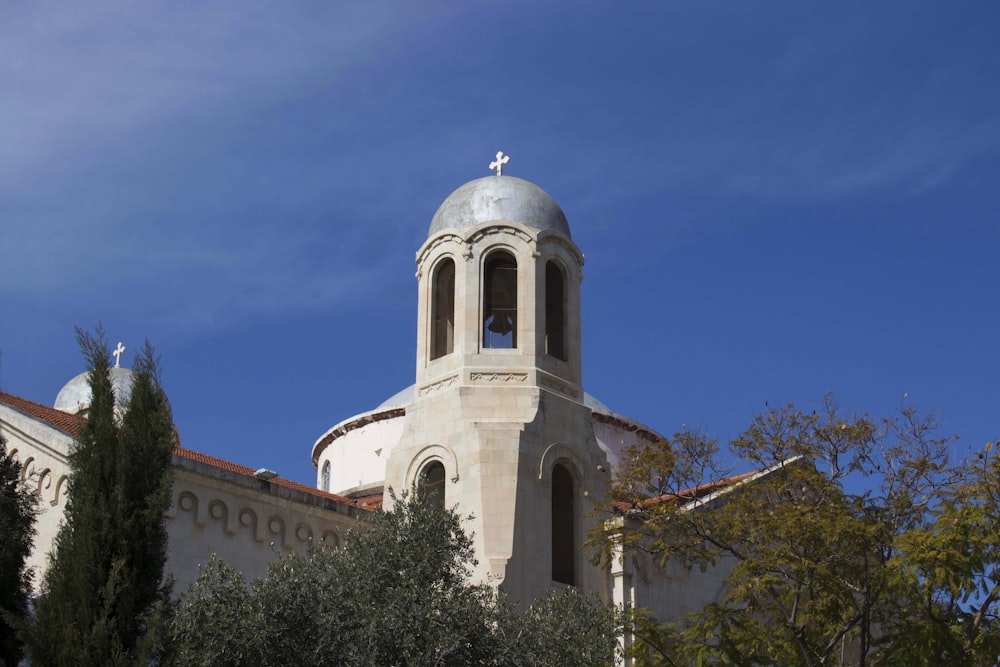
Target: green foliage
x=564 y=628
x=18 y=507
x=107 y=568
x=859 y=543
x=957 y=560
x=396 y=593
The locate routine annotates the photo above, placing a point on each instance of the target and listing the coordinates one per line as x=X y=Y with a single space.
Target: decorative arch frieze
x=276 y=527
x=58 y=493
x=27 y=468
x=44 y=481
x=230 y=521
x=219 y=510
x=248 y=519
x=303 y=532
x=188 y=502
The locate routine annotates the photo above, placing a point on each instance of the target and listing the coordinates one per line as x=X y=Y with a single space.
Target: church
x=497 y=423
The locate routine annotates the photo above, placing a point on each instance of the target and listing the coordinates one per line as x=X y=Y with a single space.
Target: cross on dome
x=117 y=353
x=500 y=162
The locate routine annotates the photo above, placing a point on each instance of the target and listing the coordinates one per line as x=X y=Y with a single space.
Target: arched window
x=500 y=301
x=563 y=526
x=555 y=311
x=431 y=483
x=443 y=310
x=325 y=480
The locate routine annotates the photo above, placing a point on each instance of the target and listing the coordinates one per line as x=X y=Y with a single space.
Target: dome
x=499 y=198
x=74 y=397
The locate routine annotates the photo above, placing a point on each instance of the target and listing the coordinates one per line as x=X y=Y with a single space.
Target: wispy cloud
x=243 y=160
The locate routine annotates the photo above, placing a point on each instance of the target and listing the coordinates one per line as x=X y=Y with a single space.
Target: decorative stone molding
x=435 y=243
x=42 y=479
x=188 y=502
x=59 y=490
x=554 y=453
x=27 y=468
x=549 y=236
x=219 y=511
x=303 y=532
x=276 y=526
x=558 y=386
x=248 y=519
x=500 y=229
x=429 y=453
x=437 y=385
x=499 y=377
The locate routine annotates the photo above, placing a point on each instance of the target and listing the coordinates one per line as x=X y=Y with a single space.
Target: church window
x=325 y=481
x=555 y=311
x=500 y=302
x=443 y=310
x=563 y=526
x=431 y=483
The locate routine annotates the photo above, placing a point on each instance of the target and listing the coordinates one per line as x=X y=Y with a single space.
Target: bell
x=500 y=323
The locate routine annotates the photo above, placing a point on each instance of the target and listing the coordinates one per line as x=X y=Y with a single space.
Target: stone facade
x=217 y=506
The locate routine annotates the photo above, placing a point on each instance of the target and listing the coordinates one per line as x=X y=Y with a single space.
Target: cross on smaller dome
x=500 y=162
x=117 y=353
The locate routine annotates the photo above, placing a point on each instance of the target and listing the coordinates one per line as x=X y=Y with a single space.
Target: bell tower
x=498 y=427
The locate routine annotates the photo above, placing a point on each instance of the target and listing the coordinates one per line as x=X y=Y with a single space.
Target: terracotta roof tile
x=688 y=495
x=70 y=424
x=63 y=421
x=364 y=503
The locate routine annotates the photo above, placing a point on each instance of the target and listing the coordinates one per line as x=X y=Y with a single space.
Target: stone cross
x=117 y=353
x=500 y=162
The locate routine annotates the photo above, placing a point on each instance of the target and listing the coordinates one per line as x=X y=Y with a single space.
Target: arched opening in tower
x=431 y=483
x=555 y=311
x=443 y=310
x=563 y=526
x=500 y=302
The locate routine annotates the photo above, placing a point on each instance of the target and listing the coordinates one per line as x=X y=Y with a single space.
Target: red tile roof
x=63 y=421
x=688 y=495
x=363 y=503
x=70 y=424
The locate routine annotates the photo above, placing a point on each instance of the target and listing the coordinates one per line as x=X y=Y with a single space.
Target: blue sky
x=775 y=199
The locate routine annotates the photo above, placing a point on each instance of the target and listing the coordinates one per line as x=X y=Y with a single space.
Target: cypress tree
x=106 y=570
x=18 y=506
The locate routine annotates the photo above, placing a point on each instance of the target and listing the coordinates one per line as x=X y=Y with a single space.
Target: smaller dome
x=499 y=198
x=74 y=397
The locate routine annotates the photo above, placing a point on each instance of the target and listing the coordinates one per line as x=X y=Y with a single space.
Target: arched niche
x=442 y=320
x=555 y=310
x=564 y=516
x=500 y=315
x=431 y=482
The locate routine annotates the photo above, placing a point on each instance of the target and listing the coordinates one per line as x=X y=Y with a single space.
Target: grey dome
x=499 y=198
x=74 y=397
